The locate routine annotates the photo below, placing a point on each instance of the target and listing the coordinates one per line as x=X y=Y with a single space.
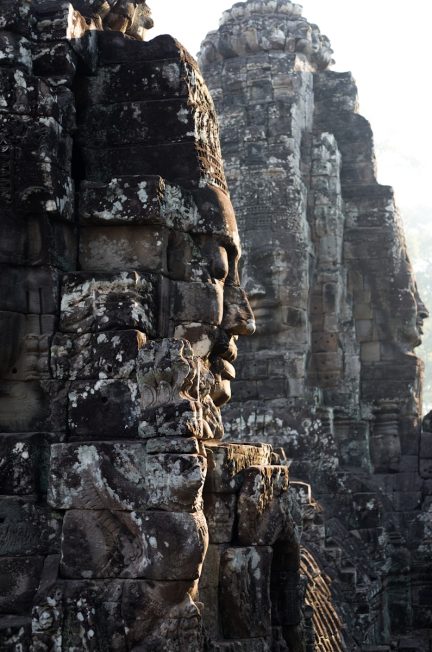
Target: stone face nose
x=238 y=318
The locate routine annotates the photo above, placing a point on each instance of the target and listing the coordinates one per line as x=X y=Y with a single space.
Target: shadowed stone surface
x=120 y=306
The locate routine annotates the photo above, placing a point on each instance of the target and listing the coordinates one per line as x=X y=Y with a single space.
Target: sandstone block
x=263 y=509
x=162 y=615
x=26 y=345
x=370 y=352
x=157 y=122
x=55 y=59
x=220 y=512
x=15 y=51
x=103 y=302
x=197 y=302
x=103 y=408
x=136 y=81
x=29 y=290
x=18 y=464
x=226 y=463
x=173 y=445
x=123 y=477
x=122 y=201
x=177 y=162
x=245 y=592
x=19 y=580
x=209 y=590
x=426 y=445
x=167 y=375
x=27 y=528
x=148 y=545
x=33 y=406
x=37 y=241
x=15 y=632
x=122 y=248
x=105 y=355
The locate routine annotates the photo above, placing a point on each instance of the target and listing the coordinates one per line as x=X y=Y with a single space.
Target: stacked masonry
x=115 y=292
x=331 y=373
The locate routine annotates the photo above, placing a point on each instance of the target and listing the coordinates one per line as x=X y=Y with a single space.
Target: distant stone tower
x=331 y=374
x=325 y=263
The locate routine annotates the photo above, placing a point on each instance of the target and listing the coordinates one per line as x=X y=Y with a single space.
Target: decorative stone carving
x=121 y=303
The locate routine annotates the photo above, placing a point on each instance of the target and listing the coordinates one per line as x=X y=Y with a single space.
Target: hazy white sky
x=386 y=45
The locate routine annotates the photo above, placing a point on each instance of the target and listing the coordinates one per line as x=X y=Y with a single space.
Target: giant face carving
x=204 y=269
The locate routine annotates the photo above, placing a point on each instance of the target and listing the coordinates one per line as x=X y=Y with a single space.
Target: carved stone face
x=216 y=308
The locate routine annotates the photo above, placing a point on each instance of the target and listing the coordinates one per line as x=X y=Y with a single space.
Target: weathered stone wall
x=331 y=373
x=125 y=523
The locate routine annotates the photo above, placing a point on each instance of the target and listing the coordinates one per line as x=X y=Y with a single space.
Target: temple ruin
x=139 y=510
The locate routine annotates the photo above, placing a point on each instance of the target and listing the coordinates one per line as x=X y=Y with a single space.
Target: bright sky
x=387 y=46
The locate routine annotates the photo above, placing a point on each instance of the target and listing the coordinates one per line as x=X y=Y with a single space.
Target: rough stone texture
x=331 y=374
x=120 y=306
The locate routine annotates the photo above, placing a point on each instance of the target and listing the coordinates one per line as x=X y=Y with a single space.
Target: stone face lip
x=123 y=476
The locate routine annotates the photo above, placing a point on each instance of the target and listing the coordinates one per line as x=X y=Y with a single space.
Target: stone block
x=28 y=528
x=227 y=462
x=103 y=409
x=123 y=201
x=168 y=375
x=123 y=248
x=209 y=590
x=19 y=580
x=161 y=615
x=135 y=81
x=426 y=468
x=15 y=18
x=29 y=290
x=245 y=603
x=364 y=329
x=37 y=241
x=173 y=445
x=104 y=302
x=406 y=501
x=124 y=477
x=54 y=59
x=15 y=632
x=197 y=302
x=26 y=344
x=33 y=406
x=426 y=445
x=328 y=362
x=370 y=352
x=25 y=94
x=15 y=51
x=148 y=545
x=178 y=162
x=264 y=506
x=155 y=122
x=18 y=464
x=325 y=342
x=105 y=355
x=220 y=512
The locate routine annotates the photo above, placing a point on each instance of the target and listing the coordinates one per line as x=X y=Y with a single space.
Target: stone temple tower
x=325 y=265
x=331 y=374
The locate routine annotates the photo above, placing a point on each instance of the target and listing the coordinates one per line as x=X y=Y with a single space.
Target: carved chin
x=221 y=393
